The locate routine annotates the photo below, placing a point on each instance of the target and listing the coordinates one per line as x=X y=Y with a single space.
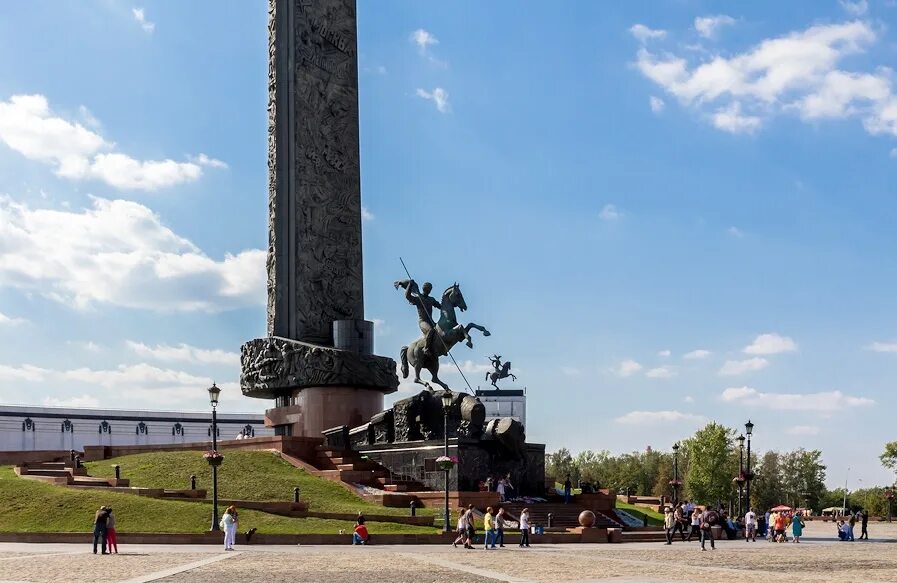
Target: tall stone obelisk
x=317 y=360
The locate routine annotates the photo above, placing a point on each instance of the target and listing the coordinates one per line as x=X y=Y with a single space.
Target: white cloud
x=140 y=17
x=627 y=368
x=88 y=117
x=423 y=39
x=381 y=328
x=438 y=96
x=689 y=399
x=739 y=367
x=655 y=417
x=858 y=8
x=467 y=366
x=118 y=252
x=610 y=213
x=366 y=214
x=875 y=346
x=794 y=73
x=707 y=26
x=697 y=354
x=184 y=353
x=85 y=401
x=735 y=232
x=824 y=402
x=643 y=33
x=570 y=371
x=657 y=104
x=29 y=127
x=10 y=321
x=661 y=372
x=664 y=353
x=25 y=372
x=730 y=119
x=803 y=430
x=771 y=344
x=204 y=160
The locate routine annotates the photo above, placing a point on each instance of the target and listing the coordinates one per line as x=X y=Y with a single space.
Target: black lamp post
x=447 y=397
x=675 y=483
x=740 y=479
x=748 y=474
x=214 y=391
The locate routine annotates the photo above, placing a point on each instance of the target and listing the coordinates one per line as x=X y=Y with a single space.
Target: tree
x=559 y=464
x=803 y=477
x=767 y=489
x=889 y=457
x=710 y=464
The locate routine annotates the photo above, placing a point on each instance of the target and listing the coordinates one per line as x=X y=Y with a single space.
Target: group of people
x=846 y=526
x=494 y=523
x=689 y=520
x=104 y=531
x=502 y=486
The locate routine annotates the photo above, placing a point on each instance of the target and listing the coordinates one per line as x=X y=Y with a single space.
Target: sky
x=666 y=213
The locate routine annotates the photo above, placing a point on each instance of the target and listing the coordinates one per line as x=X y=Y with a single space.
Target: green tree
x=767 y=489
x=559 y=464
x=803 y=477
x=710 y=464
x=889 y=457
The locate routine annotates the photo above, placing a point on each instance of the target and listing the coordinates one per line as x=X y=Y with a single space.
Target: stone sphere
x=587 y=518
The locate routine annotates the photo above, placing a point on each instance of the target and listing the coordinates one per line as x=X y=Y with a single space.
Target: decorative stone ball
x=587 y=518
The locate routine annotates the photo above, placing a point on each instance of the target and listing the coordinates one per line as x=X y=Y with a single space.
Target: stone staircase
x=562 y=515
x=65 y=474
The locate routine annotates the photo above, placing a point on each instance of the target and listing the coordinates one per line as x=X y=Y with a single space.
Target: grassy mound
x=654 y=518
x=244 y=475
x=32 y=506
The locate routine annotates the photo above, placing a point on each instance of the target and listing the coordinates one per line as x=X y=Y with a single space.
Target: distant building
x=66 y=428
x=504 y=403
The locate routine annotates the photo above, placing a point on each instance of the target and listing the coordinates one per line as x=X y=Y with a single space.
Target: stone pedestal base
x=314 y=409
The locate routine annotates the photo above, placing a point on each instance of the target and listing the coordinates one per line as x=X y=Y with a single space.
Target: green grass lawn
x=244 y=475
x=654 y=518
x=32 y=506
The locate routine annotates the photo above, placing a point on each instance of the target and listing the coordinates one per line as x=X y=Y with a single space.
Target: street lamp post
x=889 y=494
x=214 y=391
x=740 y=479
x=748 y=474
x=447 y=397
x=675 y=483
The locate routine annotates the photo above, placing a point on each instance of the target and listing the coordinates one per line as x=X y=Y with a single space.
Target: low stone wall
x=436 y=499
x=17 y=458
x=300 y=447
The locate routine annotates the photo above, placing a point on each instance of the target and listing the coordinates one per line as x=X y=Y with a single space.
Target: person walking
x=471 y=526
x=797 y=526
x=669 y=522
x=501 y=489
x=695 y=524
x=229 y=525
x=462 y=529
x=750 y=526
x=500 y=518
x=851 y=522
x=489 y=527
x=679 y=521
x=864 y=523
x=100 y=520
x=568 y=489
x=708 y=519
x=111 y=541
x=524 y=528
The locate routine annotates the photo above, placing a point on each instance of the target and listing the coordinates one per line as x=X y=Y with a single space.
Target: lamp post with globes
x=748 y=474
x=889 y=494
x=675 y=482
x=740 y=478
x=447 y=397
x=214 y=392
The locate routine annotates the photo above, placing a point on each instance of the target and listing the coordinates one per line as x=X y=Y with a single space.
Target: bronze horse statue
x=448 y=333
x=504 y=373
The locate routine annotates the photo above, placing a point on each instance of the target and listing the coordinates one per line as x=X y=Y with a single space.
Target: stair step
x=51 y=473
x=395 y=487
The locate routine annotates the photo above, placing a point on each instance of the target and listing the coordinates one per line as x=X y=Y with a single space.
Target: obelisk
x=317 y=360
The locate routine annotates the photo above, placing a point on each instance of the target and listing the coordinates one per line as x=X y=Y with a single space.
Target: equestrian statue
x=500 y=371
x=438 y=337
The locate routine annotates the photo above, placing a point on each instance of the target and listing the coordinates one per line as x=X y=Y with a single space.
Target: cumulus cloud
x=438 y=96
x=661 y=372
x=366 y=214
x=707 y=26
x=610 y=213
x=656 y=417
x=28 y=127
x=10 y=321
x=798 y=72
x=140 y=17
x=770 y=344
x=657 y=104
x=697 y=354
x=643 y=33
x=118 y=252
x=824 y=402
x=735 y=232
x=627 y=368
x=664 y=353
x=423 y=39
x=25 y=372
x=875 y=346
x=739 y=367
x=184 y=353
x=858 y=8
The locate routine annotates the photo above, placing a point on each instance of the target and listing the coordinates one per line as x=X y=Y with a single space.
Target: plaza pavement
x=819 y=558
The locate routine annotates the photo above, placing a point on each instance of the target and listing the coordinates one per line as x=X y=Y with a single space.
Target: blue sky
x=666 y=212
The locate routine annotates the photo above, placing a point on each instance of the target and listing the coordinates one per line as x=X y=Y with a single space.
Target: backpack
x=712 y=517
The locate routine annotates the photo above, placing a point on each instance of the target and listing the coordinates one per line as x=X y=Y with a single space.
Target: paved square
x=817 y=559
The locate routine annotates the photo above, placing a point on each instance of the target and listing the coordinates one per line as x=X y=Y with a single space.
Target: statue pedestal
x=314 y=409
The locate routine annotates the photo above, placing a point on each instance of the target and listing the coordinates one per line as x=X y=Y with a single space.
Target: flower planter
x=215 y=461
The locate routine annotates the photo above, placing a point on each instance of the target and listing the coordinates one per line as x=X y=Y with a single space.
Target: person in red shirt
x=360 y=536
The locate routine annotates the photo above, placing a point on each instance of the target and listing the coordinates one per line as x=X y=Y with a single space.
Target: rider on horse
x=424 y=303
